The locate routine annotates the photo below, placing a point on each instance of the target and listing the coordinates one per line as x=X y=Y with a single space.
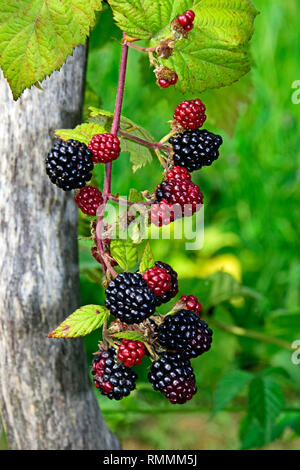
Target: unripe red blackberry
x=113 y=380
x=178 y=172
x=105 y=147
x=88 y=199
x=193 y=150
x=162 y=213
x=131 y=352
x=69 y=164
x=186 y=20
x=165 y=83
x=172 y=292
x=186 y=333
x=190 y=114
x=129 y=298
x=173 y=376
x=158 y=279
x=191 y=303
x=185 y=196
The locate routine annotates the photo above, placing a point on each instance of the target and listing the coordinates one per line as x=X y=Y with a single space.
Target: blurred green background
x=251 y=232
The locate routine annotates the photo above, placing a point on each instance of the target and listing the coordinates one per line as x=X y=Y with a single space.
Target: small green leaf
x=83 y=132
x=37 y=35
x=147 y=260
x=82 y=322
x=132 y=335
x=135 y=196
x=125 y=253
x=140 y=154
x=265 y=401
x=228 y=387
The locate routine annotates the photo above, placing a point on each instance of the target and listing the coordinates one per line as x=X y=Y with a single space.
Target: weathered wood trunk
x=46 y=397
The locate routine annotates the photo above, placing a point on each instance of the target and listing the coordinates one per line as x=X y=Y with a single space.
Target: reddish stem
x=155 y=145
x=108 y=166
x=113 y=198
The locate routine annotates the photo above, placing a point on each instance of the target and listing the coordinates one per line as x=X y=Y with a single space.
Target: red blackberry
x=191 y=303
x=190 y=114
x=172 y=292
x=113 y=380
x=131 y=352
x=178 y=172
x=165 y=83
x=89 y=199
x=173 y=376
x=185 y=196
x=158 y=279
x=186 y=20
x=105 y=148
x=162 y=213
x=193 y=150
x=129 y=298
x=186 y=333
x=69 y=164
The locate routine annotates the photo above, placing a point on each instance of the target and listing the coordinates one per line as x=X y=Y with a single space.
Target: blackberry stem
x=143 y=142
x=113 y=198
x=108 y=167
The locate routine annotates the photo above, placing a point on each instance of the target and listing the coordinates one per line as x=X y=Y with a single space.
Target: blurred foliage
x=251 y=233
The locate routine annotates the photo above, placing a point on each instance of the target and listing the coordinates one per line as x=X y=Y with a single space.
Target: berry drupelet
x=69 y=164
x=129 y=298
x=190 y=114
x=131 y=352
x=105 y=147
x=158 y=279
x=165 y=83
x=186 y=20
x=113 y=380
x=172 y=292
x=193 y=150
x=184 y=195
x=186 y=333
x=173 y=376
x=88 y=200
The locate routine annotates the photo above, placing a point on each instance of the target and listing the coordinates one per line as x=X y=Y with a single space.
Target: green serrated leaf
x=147 y=260
x=83 y=132
x=135 y=196
x=133 y=335
x=228 y=387
x=37 y=35
x=140 y=155
x=82 y=322
x=265 y=401
x=125 y=253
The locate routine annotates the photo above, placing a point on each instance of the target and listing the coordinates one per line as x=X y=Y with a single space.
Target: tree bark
x=46 y=397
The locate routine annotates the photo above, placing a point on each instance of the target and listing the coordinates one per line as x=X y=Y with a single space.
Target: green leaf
x=82 y=322
x=140 y=154
x=133 y=335
x=83 y=132
x=147 y=260
x=251 y=433
x=37 y=35
x=125 y=253
x=213 y=55
x=265 y=402
x=135 y=196
x=228 y=387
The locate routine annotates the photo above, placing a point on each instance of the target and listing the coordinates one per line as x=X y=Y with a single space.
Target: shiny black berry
x=69 y=164
x=173 y=376
x=193 y=150
x=129 y=298
x=186 y=333
x=113 y=380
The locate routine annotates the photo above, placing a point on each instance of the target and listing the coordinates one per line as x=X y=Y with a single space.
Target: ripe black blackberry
x=186 y=333
x=129 y=298
x=163 y=299
x=113 y=380
x=173 y=376
x=195 y=149
x=69 y=164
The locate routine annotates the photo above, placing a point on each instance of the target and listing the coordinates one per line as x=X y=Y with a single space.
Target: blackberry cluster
x=129 y=298
x=165 y=298
x=186 y=333
x=190 y=114
x=185 y=196
x=113 y=380
x=158 y=279
x=193 y=150
x=69 y=164
x=105 y=147
x=173 y=376
x=88 y=200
